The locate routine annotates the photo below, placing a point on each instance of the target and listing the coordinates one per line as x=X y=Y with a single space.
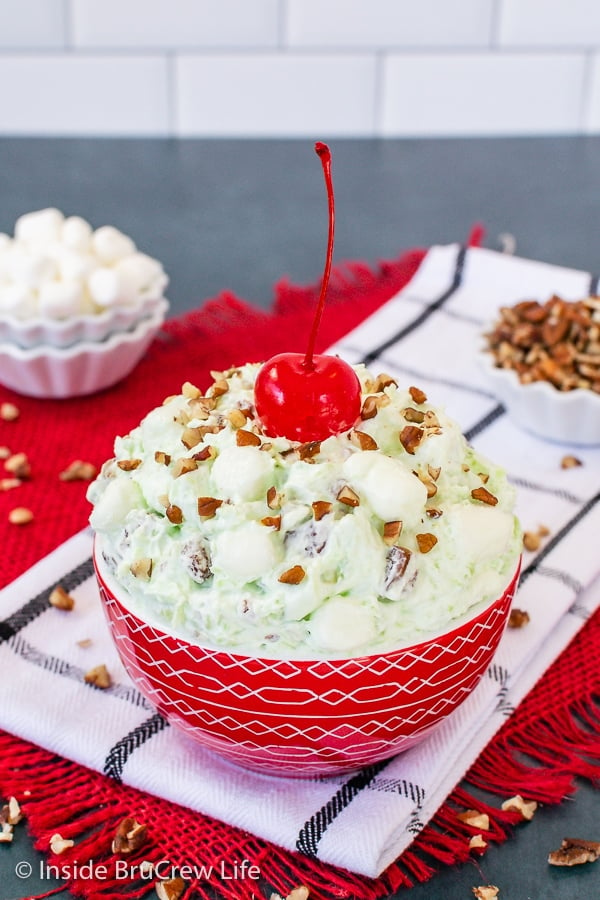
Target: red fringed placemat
x=558 y=725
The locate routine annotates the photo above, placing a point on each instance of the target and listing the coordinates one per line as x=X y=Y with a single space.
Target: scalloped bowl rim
x=118 y=593
x=510 y=378
x=143 y=326
x=62 y=324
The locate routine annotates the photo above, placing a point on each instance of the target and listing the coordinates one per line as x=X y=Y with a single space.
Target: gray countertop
x=240 y=215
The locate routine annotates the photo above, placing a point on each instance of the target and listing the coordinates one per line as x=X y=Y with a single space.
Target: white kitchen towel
x=428 y=335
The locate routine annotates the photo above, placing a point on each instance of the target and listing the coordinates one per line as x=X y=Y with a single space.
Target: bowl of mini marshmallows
x=78 y=306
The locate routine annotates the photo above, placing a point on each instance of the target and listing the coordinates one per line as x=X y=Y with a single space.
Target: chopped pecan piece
x=162 y=458
x=348 y=497
x=99 y=677
x=570 y=462
x=309 y=450
x=273 y=498
x=9 y=412
x=237 y=418
x=20 y=515
x=475 y=819
x=518 y=618
x=18 y=465
x=244 y=438
x=434 y=513
x=183 y=466
x=413 y=415
x=128 y=465
x=78 y=470
x=476 y=842
x=170 y=888
x=271 y=522
x=369 y=408
x=574 y=852
x=208 y=452
x=517 y=804
x=410 y=438
x=321 y=508
x=417 y=394
x=58 y=844
x=129 y=836
x=426 y=542
x=60 y=599
x=484 y=496
x=485 y=892
x=174 y=514
x=391 y=532
x=292 y=576
x=191 y=437
x=298 y=893
x=190 y=391
x=142 y=568
x=531 y=540
x=362 y=440
x=7 y=484
x=208 y=506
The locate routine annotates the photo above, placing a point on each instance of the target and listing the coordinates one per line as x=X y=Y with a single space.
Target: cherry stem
x=324 y=154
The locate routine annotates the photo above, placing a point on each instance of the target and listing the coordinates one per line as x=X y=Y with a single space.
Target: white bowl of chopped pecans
x=542 y=361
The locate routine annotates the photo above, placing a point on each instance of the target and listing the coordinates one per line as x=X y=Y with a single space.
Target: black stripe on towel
x=593 y=288
x=37 y=605
x=57 y=666
x=314 y=828
x=484 y=423
x=426 y=314
x=120 y=752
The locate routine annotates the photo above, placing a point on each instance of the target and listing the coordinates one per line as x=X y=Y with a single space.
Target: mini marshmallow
x=246 y=553
x=30 y=268
x=242 y=473
x=391 y=490
x=340 y=624
x=76 y=234
x=143 y=275
x=18 y=300
x=39 y=227
x=74 y=265
x=5 y=242
x=60 y=299
x=111 y=245
x=105 y=287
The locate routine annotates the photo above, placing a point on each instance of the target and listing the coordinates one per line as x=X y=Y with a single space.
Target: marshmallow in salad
x=56 y=267
x=366 y=541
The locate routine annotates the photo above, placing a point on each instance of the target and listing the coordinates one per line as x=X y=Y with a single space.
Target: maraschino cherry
x=310 y=397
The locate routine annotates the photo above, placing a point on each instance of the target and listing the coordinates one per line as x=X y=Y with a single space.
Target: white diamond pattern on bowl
x=306 y=716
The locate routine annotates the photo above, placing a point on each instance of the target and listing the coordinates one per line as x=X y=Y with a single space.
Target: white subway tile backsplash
x=484 y=94
x=275 y=95
x=175 y=23
x=388 y=23
x=26 y=24
x=71 y=95
x=290 y=68
x=549 y=23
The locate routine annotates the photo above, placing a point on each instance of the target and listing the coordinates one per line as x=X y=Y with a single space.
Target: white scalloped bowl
x=28 y=333
x=84 y=368
x=567 y=417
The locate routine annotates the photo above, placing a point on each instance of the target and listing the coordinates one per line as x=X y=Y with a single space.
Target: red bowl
x=304 y=717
